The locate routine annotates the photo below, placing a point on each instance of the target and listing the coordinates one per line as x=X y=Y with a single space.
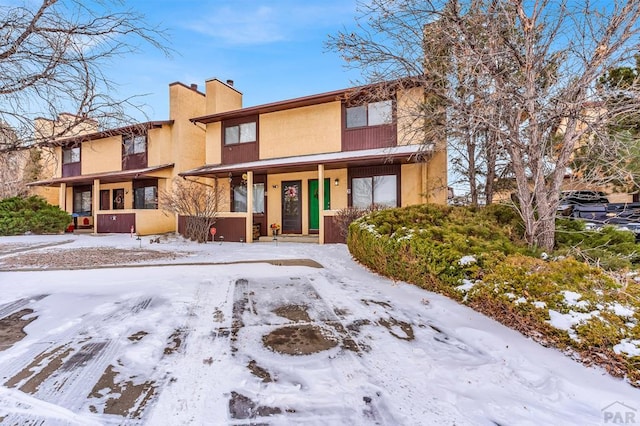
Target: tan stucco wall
x=410 y=126
x=424 y=182
x=436 y=178
x=307 y=130
x=413 y=184
x=159 y=146
x=221 y=97
x=66 y=125
x=188 y=139
x=51 y=163
x=338 y=199
x=101 y=155
x=128 y=194
x=150 y=222
x=51 y=195
x=214 y=143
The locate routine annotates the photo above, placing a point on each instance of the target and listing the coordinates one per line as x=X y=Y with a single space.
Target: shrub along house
x=296 y=163
x=110 y=180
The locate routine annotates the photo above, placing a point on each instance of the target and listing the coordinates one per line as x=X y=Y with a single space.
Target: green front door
x=314 y=210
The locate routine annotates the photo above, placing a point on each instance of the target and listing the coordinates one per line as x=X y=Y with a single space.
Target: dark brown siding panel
x=387 y=169
x=369 y=137
x=181 y=225
x=134 y=161
x=71 y=169
x=240 y=153
x=231 y=228
x=332 y=232
x=116 y=223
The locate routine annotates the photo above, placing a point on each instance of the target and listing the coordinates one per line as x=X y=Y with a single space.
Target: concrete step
x=291 y=238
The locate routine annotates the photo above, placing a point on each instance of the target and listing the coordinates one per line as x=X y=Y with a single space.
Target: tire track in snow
x=66 y=371
x=194 y=369
x=359 y=401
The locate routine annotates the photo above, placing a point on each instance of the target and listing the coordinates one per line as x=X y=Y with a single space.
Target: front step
x=290 y=238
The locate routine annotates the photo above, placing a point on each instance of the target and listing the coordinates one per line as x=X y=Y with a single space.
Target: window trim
x=237 y=183
x=367 y=117
x=238 y=123
x=82 y=191
x=71 y=149
x=372 y=171
x=144 y=184
x=133 y=137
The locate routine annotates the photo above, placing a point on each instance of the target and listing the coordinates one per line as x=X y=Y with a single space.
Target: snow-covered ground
x=199 y=344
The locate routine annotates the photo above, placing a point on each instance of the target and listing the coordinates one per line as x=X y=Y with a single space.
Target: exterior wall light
x=336 y=182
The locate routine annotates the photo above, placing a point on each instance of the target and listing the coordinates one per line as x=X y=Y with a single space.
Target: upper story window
x=134 y=144
x=71 y=155
x=134 y=152
x=240 y=133
x=371 y=114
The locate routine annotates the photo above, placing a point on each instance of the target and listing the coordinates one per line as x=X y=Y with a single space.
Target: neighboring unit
x=110 y=180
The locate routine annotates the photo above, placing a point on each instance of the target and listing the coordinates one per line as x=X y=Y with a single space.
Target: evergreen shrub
x=584 y=297
x=20 y=215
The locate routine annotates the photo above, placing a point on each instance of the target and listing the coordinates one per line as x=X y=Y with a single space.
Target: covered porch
x=115 y=202
x=287 y=196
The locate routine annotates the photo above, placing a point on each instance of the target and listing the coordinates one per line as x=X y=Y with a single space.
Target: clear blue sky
x=272 y=49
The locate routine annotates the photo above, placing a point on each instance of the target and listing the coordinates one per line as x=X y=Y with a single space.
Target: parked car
x=594 y=208
x=570 y=199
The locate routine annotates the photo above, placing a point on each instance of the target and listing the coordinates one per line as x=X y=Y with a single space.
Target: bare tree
x=612 y=161
x=537 y=64
x=198 y=202
x=52 y=56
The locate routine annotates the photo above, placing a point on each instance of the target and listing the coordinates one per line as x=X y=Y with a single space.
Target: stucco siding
x=101 y=155
x=307 y=130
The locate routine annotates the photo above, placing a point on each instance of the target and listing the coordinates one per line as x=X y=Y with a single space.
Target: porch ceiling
x=107 y=177
x=335 y=160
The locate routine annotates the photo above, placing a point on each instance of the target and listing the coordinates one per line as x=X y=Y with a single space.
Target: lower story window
x=378 y=190
x=145 y=195
x=240 y=198
x=82 y=201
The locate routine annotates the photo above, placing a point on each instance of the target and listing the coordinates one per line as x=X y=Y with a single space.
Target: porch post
x=321 y=203
x=96 y=204
x=249 y=221
x=62 y=197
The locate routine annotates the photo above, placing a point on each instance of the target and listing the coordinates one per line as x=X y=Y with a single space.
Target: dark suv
x=592 y=201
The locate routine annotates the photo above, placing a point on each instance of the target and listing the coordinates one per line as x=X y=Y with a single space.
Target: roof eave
x=292 y=164
x=108 y=177
x=107 y=133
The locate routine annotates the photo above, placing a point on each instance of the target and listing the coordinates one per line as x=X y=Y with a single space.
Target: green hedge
x=477 y=256
x=19 y=215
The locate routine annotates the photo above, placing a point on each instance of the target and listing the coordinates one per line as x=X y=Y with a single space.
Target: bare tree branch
x=515 y=76
x=51 y=61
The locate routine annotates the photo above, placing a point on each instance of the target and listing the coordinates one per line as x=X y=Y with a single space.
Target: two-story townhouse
x=273 y=157
x=110 y=180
